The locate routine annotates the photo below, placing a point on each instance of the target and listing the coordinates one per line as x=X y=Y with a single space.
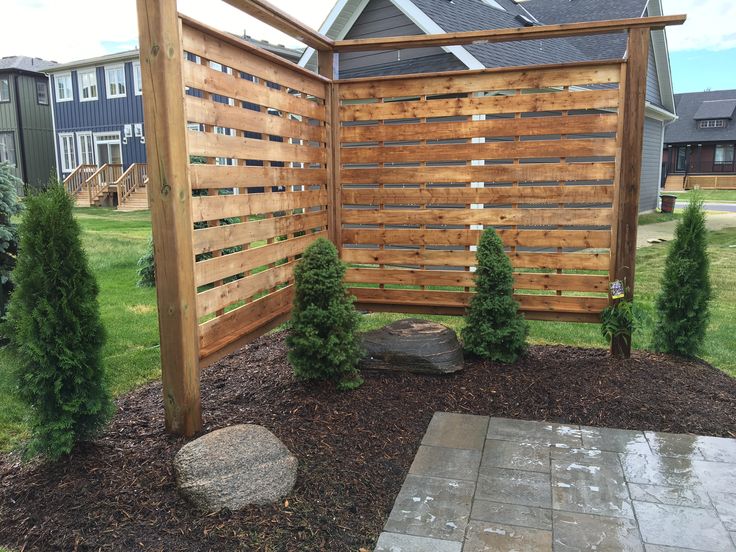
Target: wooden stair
x=674 y=183
x=136 y=201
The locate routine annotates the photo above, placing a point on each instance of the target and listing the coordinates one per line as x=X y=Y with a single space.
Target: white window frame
x=111 y=137
x=81 y=73
x=724 y=149
x=713 y=123
x=109 y=83
x=80 y=149
x=137 y=79
x=6 y=151
x=65 y=155
x=68 y=88
x=6 y=88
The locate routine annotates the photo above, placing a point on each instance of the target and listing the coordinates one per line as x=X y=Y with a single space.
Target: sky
x=703 y=51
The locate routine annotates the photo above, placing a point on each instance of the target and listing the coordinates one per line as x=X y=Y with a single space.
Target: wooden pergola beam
x=270 y=14
x=586 y=28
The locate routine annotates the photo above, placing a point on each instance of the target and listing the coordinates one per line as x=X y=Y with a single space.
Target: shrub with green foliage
x=147 y=267
x=621 y=320
x=56 y=329
x=323 y=342
x=9 y=206
x=682 y=304
x=494 y=327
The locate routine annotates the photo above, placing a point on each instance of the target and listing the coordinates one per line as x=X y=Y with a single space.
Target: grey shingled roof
x=24 y=63
x=439 y=62
x=686 y=128
x=715 y=109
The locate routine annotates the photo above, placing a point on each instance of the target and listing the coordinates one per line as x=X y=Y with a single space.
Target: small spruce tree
x=147 y=267
x=323 y=342
x=685 y=291
x=494 y=328
x=55 y=327
x=9 y=206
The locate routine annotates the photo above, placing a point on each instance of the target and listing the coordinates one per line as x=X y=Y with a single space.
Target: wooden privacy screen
x=428 y=161
x=257 y=141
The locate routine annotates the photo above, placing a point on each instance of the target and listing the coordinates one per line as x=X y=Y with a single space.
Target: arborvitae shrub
x=494 y=328
x=56 y=328
x=323 y=342
x=682 y=304
x=147 y=267
x=9 y=206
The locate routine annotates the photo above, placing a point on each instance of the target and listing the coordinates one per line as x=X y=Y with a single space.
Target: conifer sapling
x=9 y=206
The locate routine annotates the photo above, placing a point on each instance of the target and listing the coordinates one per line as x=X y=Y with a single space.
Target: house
x=26 y=131
x=699 y=146
x=353 y=19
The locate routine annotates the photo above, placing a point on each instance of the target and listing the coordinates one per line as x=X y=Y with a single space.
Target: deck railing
x=133 y=178
x=101 y=179
x=75 y=181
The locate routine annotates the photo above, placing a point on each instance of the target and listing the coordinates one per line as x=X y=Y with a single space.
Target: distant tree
x=55 y=327
x=494 y=327
x=683 y=303
x=9 y=206
x=323 y=342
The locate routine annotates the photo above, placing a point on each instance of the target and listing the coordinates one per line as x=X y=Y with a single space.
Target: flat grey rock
x=234 y=467
x=413 y=345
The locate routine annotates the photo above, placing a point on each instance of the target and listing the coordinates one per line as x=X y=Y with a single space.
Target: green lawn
x=114 y=242
x=657 y=216
x=715 y=196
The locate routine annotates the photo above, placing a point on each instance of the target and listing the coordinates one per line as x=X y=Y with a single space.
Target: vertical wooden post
x=170 y=194
x=623 y=258
x=327 y=65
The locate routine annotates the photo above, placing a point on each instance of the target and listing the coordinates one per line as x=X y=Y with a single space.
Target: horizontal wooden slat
x=224 y=206
x=523 y=238
x=240 y=176
x=219 y=297
x=207 y=112
x=214 y=238
x=485 y=105
x=493 y=217
x=242 y=262
x=238 y=54
x=219 y=332
x=465 y=82
x=461 y=278
x=515 y=194
x=525 y=172
x=488 y=128
x=211 y=80
x=462 y=299
x=530 y=149
x=209 y=144
x=564 y=261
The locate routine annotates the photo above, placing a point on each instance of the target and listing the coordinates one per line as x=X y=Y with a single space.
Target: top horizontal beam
x=508 y=35
x=270 y=14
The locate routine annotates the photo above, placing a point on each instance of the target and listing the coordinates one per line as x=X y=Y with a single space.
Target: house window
x=64 y=92
x=86 y=148
x=66 y=151
x=42 y=92
x=137 y=82
x=115 y=77
x=724 y=154
x=713 y=123
x=7 y=148
x=4 y=89
x=87 y=82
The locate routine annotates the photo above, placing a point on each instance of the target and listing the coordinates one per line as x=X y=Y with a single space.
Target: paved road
x=666 y=230
x=728 y=207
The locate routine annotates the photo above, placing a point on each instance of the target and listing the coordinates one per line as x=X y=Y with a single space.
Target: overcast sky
x=66 y=30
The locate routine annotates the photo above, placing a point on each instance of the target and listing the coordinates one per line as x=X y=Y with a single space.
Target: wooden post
x=623 y=258
x=169 y=193
x=327 y=65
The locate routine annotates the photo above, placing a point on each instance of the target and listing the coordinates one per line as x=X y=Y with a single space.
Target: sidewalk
x=666 y=230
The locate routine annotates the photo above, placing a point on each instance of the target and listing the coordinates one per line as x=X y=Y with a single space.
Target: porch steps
x=137 y=201
x=674 y=183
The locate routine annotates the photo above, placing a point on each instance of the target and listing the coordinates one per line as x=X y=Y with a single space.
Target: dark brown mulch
x=354 y=448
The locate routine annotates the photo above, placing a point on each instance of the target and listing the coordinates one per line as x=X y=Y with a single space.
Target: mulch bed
x=354 y=448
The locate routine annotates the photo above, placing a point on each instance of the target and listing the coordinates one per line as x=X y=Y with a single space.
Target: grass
x=716 y=196
x=658 y=216
x=114 y=241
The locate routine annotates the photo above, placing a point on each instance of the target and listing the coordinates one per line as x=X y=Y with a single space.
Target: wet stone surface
x=493 y=484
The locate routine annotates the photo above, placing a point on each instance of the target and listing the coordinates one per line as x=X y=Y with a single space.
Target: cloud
x=709 y=25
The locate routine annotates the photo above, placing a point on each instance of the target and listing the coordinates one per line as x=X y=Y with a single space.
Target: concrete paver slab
x=505 y=454
x=514 y=487
x=493 y=537
x=461 y=431
x=446 y=462
x=394 y=542
x=534 y=433
x=694 y=496
x=725 y=504
x=511 y=514
x=578 y=532
x=614 y=440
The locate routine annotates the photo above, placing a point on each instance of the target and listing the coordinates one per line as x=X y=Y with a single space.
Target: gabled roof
x=692 y=107
x=25 y=64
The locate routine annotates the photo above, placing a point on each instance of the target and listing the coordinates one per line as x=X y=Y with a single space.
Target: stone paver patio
x=494 y=484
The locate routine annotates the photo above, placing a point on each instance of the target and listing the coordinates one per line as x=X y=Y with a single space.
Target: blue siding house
x=98 y=112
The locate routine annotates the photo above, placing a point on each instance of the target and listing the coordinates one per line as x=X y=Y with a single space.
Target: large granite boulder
x=234 y=467
x=413 y=345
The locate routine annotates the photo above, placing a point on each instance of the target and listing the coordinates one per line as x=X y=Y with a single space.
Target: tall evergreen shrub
x=9 y=206
x=147 y=267
x=56 y=328
x=323 y=342
x=494 y=328
x=685 y=291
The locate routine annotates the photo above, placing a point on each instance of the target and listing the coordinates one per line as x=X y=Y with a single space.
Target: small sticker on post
x=617 y=289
